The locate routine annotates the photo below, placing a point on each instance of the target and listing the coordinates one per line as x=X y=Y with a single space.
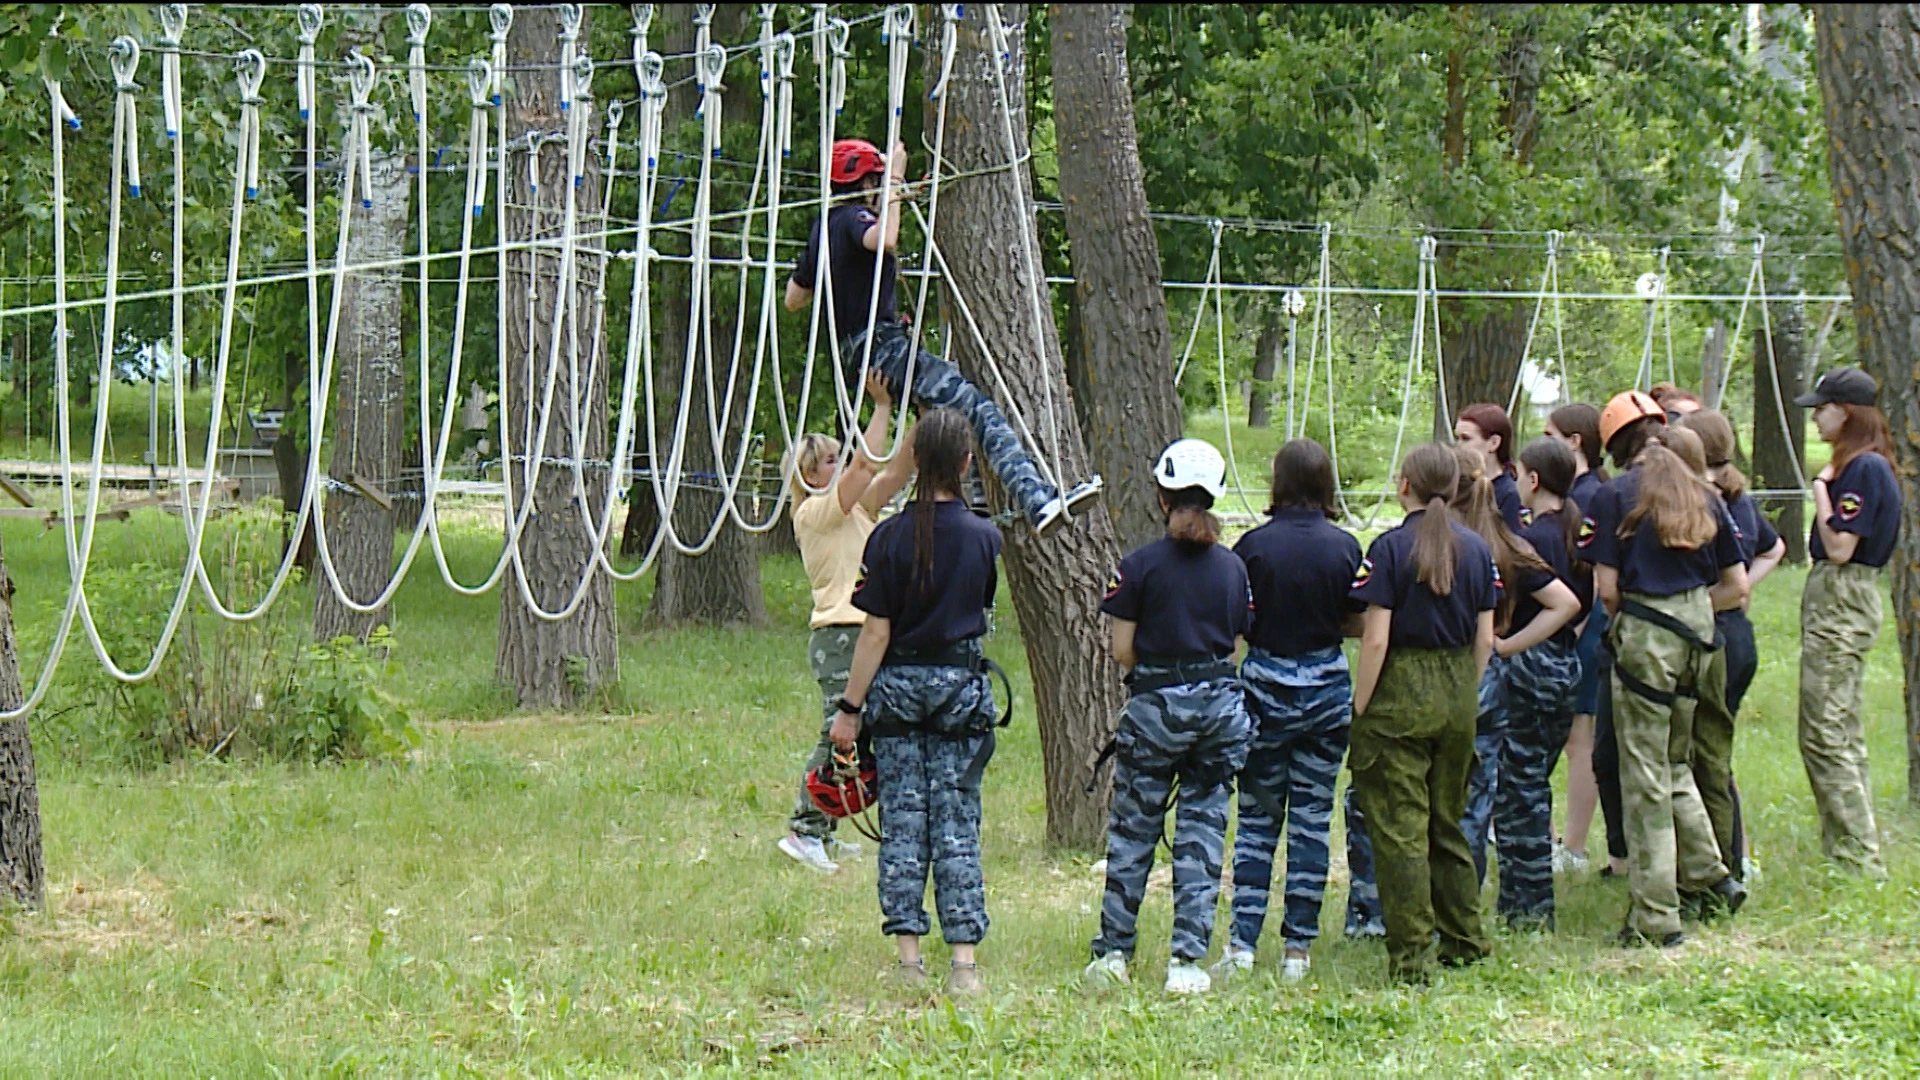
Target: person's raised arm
x=867 y=654
x=893 y=478
x=1376 y=624
x=1558 y=607
x=896 y=195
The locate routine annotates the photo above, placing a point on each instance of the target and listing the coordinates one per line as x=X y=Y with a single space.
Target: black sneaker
x=1731 y=892
x=1629 y=938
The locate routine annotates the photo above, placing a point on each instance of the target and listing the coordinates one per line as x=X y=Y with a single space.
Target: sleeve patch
x=1849 y=506
x=1499 y=586
x=1364 y=574
x=1113 y=583
x=1588 y=529
x=861 y=581
x=1526 y=516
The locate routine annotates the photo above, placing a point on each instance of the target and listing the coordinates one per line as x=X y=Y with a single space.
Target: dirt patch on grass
x=102 y=917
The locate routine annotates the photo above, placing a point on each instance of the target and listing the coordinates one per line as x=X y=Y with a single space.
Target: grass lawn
x=599 y=894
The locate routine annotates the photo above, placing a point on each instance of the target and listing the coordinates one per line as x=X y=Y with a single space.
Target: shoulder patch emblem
x=1113 y=582
x=1849 y=506
x=1364 y=574
x=1587 y=530
x=1498 y=585
x=1526 y=516
x=860 y=582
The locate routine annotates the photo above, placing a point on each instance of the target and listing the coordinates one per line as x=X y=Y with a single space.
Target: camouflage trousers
x=1411 y=753
x=928 y=724
x=1196 y=734
x=1839 y=621
x=938 y=384
x=1670 y=844
x=1534 y=699
x=830 y=655
x=1711 y=754
x=1363 y=892
x=1301 y=708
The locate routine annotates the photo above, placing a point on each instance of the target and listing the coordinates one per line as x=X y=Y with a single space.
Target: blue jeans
x=939 y=385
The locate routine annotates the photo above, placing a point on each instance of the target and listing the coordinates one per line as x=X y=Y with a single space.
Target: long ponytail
x=1475 y=504
x=1432 y=473
x=941 y=441
x=1552 y=465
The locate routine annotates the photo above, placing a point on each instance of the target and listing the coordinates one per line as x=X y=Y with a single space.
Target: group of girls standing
x=1517 y=590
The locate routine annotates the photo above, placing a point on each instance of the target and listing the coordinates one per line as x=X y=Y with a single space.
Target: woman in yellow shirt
x=831 y=529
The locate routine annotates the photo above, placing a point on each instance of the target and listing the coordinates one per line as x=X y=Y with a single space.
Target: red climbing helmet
x=856 y=158
x=846 y=787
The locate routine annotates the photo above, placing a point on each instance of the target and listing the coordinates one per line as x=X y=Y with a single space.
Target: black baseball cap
x=1841 y=386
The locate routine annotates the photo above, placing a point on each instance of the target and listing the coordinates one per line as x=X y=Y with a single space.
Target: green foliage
x=334 y=705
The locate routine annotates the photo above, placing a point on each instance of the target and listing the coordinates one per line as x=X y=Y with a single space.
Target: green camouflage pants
x=830 y=655
x=1410 y=755
x=1839 y=620
x=1670 y=842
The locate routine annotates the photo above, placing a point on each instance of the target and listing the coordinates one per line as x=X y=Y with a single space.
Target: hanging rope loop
x=124 y=56
x=173 y=25
x=479 y=82
x=642 y=22
x=419 y=19
x=310 y=20
x=649 y=71
x=360 y=79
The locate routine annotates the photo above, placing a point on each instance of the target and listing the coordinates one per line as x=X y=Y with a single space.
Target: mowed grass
x=599 y=894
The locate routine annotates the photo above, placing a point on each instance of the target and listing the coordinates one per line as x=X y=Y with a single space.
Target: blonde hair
x=1674 y=492
x=806 y=456
x=1717 y=439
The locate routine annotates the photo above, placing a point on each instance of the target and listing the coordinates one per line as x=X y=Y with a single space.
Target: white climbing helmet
x=1189 y=463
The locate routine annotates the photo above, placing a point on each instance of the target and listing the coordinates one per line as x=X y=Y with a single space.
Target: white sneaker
x=1294 y=969
x=1187 y=977
x=1109 y=970
x=843 y=849
x=1051 y=516
x=808 y=852
x=1568 y=861
x=1235 y=961
x=1085 y=495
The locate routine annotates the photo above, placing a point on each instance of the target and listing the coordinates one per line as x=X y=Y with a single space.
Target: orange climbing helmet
x=1624 y=409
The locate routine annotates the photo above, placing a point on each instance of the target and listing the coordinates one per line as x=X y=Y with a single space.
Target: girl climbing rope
x=859 y=261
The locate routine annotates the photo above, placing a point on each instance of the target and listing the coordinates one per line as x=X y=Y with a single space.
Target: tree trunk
x=1775 y=450
x=1869 y=61
x=1713 y=363
x=720 y=587
x=1123 y=332
x=643 y=511
x=23 y=873
x=1055 y=582
x=552 y=663
x=290 y=462
x=370 y=411
x=1481 y=342
x=1267 y=355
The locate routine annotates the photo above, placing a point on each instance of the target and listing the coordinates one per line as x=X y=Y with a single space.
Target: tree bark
x=1713 y=363
x=1869 y=61
x=23 y=873
x=553 y=663
x=1480 y=347
x=1775 y=451
x=370 y=411
x=1122 y=313
x=1267 y=354
x=986 y=234
x=720 y=587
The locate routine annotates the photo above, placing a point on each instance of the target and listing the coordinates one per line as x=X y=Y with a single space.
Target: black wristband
x=845 y=706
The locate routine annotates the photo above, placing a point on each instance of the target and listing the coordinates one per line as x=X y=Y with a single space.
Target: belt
x=1157 y=672
x=965 y=653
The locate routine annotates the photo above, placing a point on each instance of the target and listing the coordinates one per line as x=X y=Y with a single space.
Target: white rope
x=1415 y=350
x=1773 y=363
x=1739 y=324
x=1549 y=278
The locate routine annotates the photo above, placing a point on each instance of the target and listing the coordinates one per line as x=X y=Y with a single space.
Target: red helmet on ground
x=846 y=786
x=854 y=159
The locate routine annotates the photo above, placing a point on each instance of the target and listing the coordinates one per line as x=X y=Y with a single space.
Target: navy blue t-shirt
x=1866 y=502
x=1188 y=601
x=1388 y=578
x=1301 y=567
x=1506 y=494
x=851 y=268
x=1757 y=534
x=1584 y=489
x=1543 y=532
x=952 y=604
x=1645 y=565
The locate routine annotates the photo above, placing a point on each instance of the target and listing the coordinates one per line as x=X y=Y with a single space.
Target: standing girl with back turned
x=1178 y=605
x=1300 y=698
x=1430 y=589
x=919 y=687
x=1856 y=524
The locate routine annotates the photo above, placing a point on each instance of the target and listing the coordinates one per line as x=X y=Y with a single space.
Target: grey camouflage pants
x=830 y=655
x=928 y=821
x=1197 y=734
